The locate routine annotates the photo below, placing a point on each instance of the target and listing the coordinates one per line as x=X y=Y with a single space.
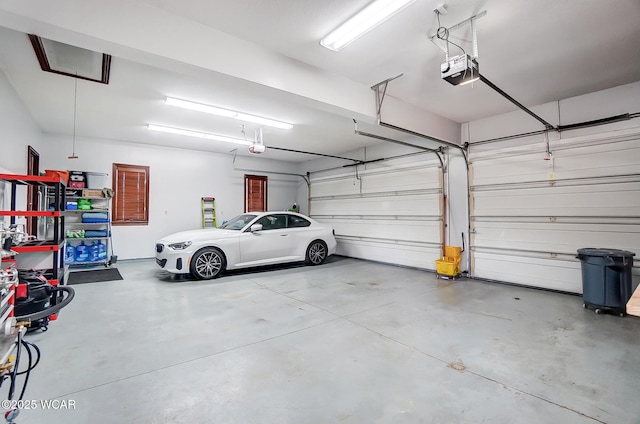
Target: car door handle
x=284 y=235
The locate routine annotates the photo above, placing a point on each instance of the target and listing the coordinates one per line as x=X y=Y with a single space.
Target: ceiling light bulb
x=367 y=19
x=199 y=134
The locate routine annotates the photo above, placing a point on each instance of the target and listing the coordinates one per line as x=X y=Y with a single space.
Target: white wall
x=17 y=130
x=178 y=179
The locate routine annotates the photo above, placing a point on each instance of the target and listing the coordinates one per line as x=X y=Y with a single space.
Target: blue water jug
x=102 y=251
x=82 y=253
x=69 y=254
x=93 y=252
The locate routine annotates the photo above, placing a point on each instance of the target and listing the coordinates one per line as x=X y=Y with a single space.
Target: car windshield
x=239 y=222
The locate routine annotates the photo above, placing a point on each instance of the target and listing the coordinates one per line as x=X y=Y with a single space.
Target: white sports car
x=248 y=240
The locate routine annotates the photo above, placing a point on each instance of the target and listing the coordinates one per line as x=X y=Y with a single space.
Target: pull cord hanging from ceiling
x=75 y=109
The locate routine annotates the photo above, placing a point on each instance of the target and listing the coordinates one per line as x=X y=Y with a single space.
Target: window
x=238 y=223
x=273 y=222
x=296 y=222
x=255 y=193
x=131 y=194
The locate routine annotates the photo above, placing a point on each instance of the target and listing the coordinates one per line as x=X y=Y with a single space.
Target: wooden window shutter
x=131 y=194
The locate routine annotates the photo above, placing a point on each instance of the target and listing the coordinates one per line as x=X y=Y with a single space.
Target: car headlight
x=180 y=246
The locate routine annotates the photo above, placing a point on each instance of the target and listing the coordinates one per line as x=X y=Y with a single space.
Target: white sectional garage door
x=529 y=219
x=387 y=212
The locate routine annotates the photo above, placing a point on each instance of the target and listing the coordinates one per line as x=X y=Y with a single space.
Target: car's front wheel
x=207 y=263
x=316 y=253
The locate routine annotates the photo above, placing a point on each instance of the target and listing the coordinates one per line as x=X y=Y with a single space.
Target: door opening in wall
x=255 y=193
x=33 y=168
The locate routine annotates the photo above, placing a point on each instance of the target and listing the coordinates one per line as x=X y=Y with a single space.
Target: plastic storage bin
x=63 y=175
x=606 y=279
x=77 y=179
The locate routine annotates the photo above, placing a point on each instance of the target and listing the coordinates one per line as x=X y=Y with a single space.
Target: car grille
x=159 y=247
x=161 y=262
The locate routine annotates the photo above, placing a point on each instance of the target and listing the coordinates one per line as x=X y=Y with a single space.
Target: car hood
x=205 y=234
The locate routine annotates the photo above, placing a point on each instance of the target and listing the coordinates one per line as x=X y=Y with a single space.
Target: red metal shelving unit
x=55 y=244
x=31 y=213
x=38 y=246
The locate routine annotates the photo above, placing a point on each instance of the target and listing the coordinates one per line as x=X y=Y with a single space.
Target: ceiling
x=537 y=51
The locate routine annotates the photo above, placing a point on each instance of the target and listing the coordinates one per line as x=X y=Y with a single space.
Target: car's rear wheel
x=316 y=253
x=207 y=263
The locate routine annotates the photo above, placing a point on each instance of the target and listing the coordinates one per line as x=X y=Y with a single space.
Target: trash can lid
x=592 y=251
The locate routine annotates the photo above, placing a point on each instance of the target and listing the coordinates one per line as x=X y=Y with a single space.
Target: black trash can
x=606 y=279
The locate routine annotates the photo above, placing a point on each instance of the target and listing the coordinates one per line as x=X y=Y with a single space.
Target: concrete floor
x=347 y=342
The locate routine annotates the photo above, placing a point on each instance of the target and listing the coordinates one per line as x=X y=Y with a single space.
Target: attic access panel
x=72 y=61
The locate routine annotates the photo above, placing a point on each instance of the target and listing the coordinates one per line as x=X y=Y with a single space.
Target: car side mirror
x=256 y=227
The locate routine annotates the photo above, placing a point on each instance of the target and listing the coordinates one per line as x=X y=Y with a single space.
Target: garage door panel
x=342 y=185
x=514 y=170
x=404 y=180
x=570 y=161
x=600 y=163
x=400 y=205
x=415 y=256
x=596 y=200
x=529 y=224
x=400 y=230
x=556 y=274
x=555 y=238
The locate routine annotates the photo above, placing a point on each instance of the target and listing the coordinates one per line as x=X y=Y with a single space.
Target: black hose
x=27 y=371
x=13 y=375
x=29 y=345
x=52 y=309
x=14 y=372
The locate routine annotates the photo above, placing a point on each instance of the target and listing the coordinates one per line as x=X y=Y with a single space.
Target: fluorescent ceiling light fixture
x=199 y=134
x=367 y=19
x=199 y=107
